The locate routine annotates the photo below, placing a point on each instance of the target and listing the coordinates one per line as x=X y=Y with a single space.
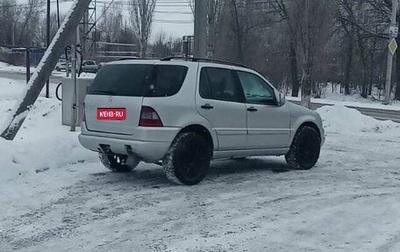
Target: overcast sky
x=177 y=22
x=173 y=17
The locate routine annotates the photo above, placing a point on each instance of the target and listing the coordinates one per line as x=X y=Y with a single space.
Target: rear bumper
x=147 y=151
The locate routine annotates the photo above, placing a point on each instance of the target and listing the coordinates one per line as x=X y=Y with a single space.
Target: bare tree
x=111 y=24
x=162 y=47
x=282 y=8
x=8 y=17
x=141 y=18
x=30 y=23
x=312 y=18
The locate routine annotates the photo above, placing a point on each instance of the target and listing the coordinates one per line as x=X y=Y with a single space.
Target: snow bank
x=2 y=64
x=342 y=120
x=42 y=143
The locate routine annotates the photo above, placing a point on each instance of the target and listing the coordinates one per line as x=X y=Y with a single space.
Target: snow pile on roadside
x=3 y=64
x=10 y=90
x=343 y=120
x=42 y=142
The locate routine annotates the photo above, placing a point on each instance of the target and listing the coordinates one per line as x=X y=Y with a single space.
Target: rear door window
x=166 y=80
x=139 y=80
x=219 y=84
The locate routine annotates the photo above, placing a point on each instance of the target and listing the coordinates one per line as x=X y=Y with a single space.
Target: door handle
x=207 y=106
x=252 y=109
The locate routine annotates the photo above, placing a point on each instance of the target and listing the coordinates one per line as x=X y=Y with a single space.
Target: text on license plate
x=111 y=114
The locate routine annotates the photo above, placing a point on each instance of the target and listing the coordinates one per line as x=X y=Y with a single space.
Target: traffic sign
x=393 y=46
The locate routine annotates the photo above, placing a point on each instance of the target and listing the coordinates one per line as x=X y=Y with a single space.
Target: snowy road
x=392 y=114
x=349 y=202
x=56 y=196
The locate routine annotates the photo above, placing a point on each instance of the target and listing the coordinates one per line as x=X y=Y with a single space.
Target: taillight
x=149 y=118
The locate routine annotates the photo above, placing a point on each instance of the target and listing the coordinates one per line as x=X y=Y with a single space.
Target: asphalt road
x=379 y=114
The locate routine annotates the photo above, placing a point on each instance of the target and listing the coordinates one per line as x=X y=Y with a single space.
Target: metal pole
x=74 y=112
x=48 y=42
x=200 y=29
x=58 y=13
x=37 y=82
x=392 y=35
x=28 y=65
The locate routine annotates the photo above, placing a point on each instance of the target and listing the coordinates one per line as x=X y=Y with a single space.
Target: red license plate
x=111 y=114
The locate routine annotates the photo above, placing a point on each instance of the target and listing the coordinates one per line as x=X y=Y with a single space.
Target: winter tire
x=188 y=159
x=118 y=163
x=304 y=151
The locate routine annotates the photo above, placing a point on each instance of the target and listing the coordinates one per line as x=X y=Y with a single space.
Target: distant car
x=183 y=114
x=61 y=65
x=90 y=66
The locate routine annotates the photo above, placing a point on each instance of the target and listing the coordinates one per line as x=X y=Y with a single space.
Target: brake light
x=149 y=118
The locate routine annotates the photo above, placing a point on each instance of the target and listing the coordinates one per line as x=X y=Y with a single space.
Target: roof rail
x=127 y=58
x=203 y=60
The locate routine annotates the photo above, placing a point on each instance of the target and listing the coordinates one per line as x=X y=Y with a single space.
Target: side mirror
x=281 y=99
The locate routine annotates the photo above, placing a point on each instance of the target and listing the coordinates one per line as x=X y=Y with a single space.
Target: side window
x=205 y=88
x=218 y=84
x=167 y=80
x=256 y=90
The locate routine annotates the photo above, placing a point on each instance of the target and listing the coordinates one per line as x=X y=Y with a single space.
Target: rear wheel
x=188 y=159
x=305 y=149
x=118 y=163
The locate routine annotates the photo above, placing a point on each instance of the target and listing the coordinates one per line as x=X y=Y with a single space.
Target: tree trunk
x=238 y=30
x=306 y=86
x=306 y=80
x=397 y=93
x=349 y=62
x=364 y=64
x=294 y=70
x=371 y=74
x=371 y=71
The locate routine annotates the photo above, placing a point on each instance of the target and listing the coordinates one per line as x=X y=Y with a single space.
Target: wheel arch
x=202 y=131
x=309 y=123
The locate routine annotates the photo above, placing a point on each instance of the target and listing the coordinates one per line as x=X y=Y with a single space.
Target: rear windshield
x=138 y=80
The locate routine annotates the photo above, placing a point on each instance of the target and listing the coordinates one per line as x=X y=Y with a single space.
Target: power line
x=124 y=3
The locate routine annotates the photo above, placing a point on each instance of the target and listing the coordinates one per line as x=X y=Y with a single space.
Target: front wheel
x=118 y=163
x=188 y=159
x=305 y=149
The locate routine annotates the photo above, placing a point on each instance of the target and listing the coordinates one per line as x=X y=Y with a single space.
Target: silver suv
x=183 y=113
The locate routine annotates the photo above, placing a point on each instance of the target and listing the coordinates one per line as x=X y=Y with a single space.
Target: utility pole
x=13 y=33
x=28 y=64
x=74 y=65
x=200 y=29
x=393 y=31
x=48 y=43
x=43 y=71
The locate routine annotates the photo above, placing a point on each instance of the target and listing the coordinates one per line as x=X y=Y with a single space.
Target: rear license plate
x=118 y=114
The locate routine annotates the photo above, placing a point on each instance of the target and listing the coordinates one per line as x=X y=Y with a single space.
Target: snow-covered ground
x=56 y=196
x=331 y=94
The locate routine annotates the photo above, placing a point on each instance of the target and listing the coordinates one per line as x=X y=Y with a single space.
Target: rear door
x=114 y=100
x=220 y=100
